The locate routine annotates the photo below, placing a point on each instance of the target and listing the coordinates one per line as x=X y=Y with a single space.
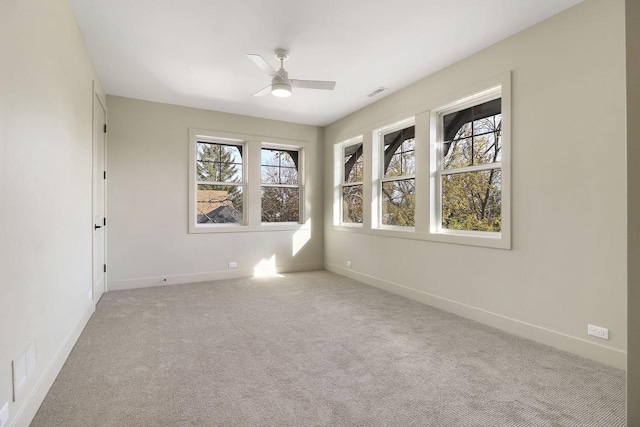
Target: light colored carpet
x=314 y=349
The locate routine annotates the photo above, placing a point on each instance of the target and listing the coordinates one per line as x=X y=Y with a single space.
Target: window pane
x=457 y=153
x=230 y=154
x=352 y=204
x=471 y=136
x=218 y=162
x=280 y=204
x=288 y=176
x=269 y=157
x=218 y=204
x=279 y=167
x=486 y=124
x=270 y=175
x=207 y=151
x=409 y=157
x=486 y=149
x=465 y=131
x=472 y=201
x=403 y=161
x=398 y=202
x=399 y=152
x=286 y=160
x=353 y=161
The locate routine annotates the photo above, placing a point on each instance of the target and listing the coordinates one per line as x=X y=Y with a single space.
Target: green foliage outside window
x=399 y=195
x=472 y=200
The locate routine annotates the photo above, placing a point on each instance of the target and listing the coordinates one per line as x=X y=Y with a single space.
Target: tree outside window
x=352 y=183
x=470 y=168
x=280 y=185
x=398 y=184
x=219 y=175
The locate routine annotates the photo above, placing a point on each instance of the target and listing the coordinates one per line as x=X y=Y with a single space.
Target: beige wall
x=566 y=269
x=567 y=266
x=148 y=194
x=46 y=96
x=633 y=182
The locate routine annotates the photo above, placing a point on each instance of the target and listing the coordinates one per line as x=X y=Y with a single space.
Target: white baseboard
x=146 y=282
x=600 y=353
x=25 y=414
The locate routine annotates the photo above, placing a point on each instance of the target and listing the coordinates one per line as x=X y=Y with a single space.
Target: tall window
x=351 y=187
x=220 y=182
x=280 y=185
x=398 y=183
x=469 y=170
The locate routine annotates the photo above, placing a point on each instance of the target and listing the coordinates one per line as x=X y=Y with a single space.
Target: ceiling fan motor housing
x=281 y=86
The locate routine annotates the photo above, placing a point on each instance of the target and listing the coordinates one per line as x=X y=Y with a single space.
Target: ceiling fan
x=281 y=85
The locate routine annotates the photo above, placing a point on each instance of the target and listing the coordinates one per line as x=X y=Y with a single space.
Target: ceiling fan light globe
x=281 y=90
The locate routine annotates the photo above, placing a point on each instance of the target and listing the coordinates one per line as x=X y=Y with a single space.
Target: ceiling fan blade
x=264 y=91
x=314 y=84
x=262 y=64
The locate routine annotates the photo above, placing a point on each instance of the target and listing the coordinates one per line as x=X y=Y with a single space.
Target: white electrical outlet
x=90 y=295
x=597 y=331
x=349 y=265
x=233 y=264
x=4 y=415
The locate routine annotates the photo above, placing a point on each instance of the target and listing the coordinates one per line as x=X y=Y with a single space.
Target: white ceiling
x=193 y=52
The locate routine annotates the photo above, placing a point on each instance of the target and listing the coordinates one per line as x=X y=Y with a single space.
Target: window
x=398 y=183
x=442 y=174
x=240 y=183
x=469 y=176
x=351 y=185
x=220 y=182
x=280 y=185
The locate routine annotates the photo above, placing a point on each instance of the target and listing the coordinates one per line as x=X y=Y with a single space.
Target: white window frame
x=425 y=119
x=242 y=184
x=380 y=178
x=299 y=186
x=500 y=89
x=251 y=194
x=340 y=180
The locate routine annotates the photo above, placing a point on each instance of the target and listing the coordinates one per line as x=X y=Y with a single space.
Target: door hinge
x=104 y=175
x=105 y=268
x=105 y=128
x=104 y=221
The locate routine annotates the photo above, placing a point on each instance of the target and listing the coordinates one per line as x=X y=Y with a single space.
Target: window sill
x=488 y=240
x=349 y=227
x=236 y=228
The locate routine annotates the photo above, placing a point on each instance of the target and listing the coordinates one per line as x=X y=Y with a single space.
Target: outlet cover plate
x=598 y=332
x=233 y=264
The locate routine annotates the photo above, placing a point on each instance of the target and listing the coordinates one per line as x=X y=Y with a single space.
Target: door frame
x=99 y=105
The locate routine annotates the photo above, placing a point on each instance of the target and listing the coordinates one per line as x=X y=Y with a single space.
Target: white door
x=99 y=184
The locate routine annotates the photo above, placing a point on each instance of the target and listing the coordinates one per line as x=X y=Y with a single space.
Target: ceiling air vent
x=377 y=91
